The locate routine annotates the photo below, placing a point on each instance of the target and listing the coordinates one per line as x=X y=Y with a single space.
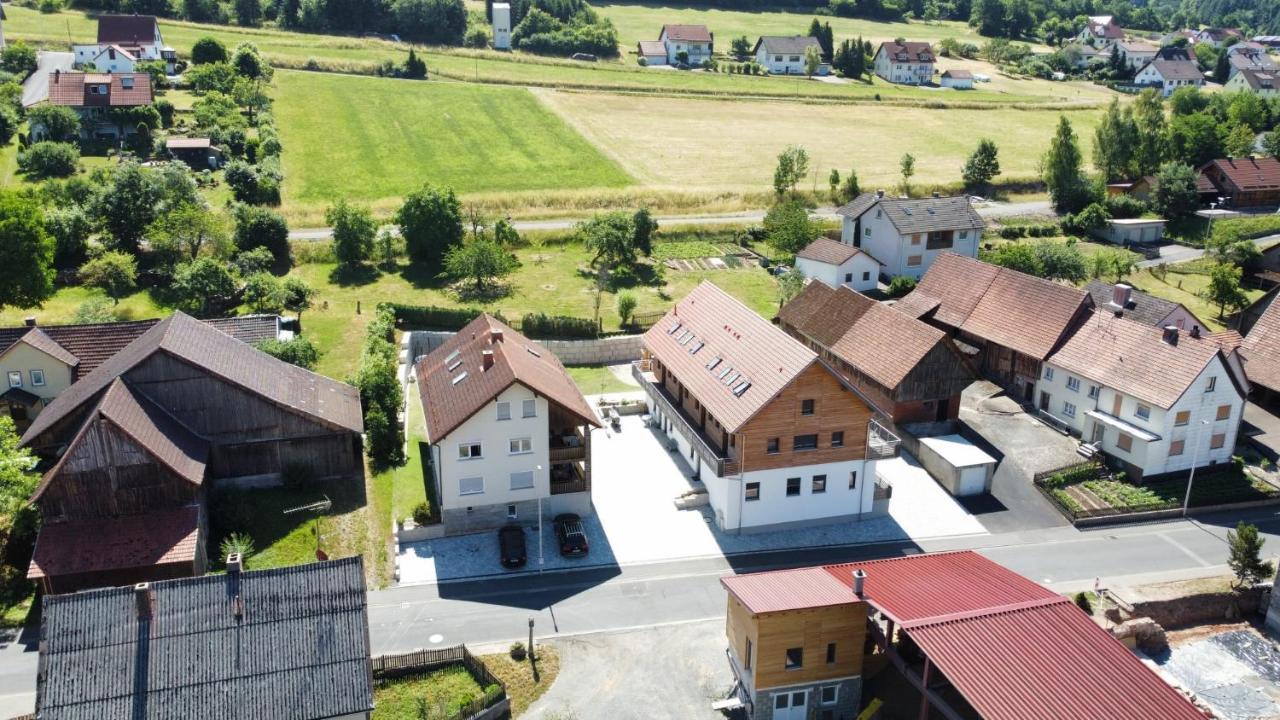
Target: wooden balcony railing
x=568 y=454
x=724 y=466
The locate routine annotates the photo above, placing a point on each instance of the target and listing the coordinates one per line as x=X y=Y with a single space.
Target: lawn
x=598 y=380
x=408 y=482
x=61 y=308
x=444 y=691
x=374 y=138
x=524 y=684
x=1183 y=283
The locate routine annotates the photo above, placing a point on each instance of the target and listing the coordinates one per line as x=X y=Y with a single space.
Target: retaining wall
x=601 y=351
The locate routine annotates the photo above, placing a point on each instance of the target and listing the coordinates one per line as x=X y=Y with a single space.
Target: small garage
x=960 y=466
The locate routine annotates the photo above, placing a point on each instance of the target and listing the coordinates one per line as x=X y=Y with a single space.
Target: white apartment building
x=906 y=63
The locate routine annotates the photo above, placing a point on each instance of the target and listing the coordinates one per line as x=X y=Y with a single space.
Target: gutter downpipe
x=742 y=471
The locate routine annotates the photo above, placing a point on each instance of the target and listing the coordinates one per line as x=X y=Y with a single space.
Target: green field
x=374 y=138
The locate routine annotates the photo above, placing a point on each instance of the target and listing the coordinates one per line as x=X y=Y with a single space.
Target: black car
x=511 y=545
x=573 y=540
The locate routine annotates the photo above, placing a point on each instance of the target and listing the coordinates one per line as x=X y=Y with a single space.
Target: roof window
x=713 y=363
x=460 y=377
x=533 y=352
x=742 y=388
x=693 y=349
x=453 y=356
x=674 y=328
x=454 y=365
x=725 y=372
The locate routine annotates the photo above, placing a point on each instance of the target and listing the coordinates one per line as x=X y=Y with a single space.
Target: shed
x=1132 y=231
x=501 y=26
x=962 y=467
x=653 y=52
x=199 y=153
x=958 y=79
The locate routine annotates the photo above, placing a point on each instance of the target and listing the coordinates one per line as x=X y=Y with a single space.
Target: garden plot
x=699 y=255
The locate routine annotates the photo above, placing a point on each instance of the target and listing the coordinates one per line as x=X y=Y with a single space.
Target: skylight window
x=714 y=362
x=687 y=337
x=693 y=349
x=460 y=377
x=533 y=352
x=674 y=328
x=725 y=372
x=453 y=356
x=732 y=378
x=742 y=388
x=454 y=365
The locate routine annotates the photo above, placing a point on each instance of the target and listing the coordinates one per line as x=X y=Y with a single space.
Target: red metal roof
x=779 y=590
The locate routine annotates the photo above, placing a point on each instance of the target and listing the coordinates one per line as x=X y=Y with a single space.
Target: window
x=1182 y=418
x=853 y=480
x=964 y=234
x=793 y=487
x=795 y=58
x=504 y=411
x=831 y=653
x=471 y=486
x=126 y=83
x=519 y=446
x=877 y=213
x=511 y=512
x=1048 y=373
x=1068 y=409
x=782 y=701
x=772 y=446
x=837 y=438
x=1217 y=441
x=746 y=661
x=777 y=58
x=1224 y=411
x=15 y=378
x=1124 y=442
x=914 y=260
x=867 y=232
x=915 y=239
x=753 y=491
x=806 y=407
x=1073 y=383
x=522 y=480
x=1143 y=411
x=804 y=442
x=819 y=484
x=939 y=241
x=1211 y=384
x=529 y=408
x=37 y=378
x=1094 y=391
x=848 y=277
x=830 y=692
x=866 y=275
x=795 y=658
x=1176 y=447
x=469 y=451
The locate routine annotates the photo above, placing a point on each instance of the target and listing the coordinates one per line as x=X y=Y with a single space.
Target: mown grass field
x=374 y=138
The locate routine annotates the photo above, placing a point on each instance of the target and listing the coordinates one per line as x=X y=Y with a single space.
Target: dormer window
x=126 y=83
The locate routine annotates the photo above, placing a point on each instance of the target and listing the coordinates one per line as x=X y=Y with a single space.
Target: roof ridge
x=1006 y=609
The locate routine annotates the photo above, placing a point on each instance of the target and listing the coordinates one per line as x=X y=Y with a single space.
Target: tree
x=824 y=37
x=9 y=122
x=1238 y=142
x=94 y=311
x=1017 y=256
x=1175 y=194
x=300 y=295
x=1061 y=169
x=788 y=228
x=219 y=76
x=833 y=183
x=1224 y=288
x=58 y=123
x=18 y=59
x=1153 y=143
x=1222 y=68
x=353 y=232
x=740 y=47
x=1271 y=143
x=251 y=262
x=988 y=17
x=70 y=229
x=17 y=465
x=1249 y=109
x=611 y=239
x=480 y=259
x=812 y=60
x=248 y=12
x=26 y=254
x=430 y=222
x=1114 y=143
x=297 y=351
x=208 y=50
x=849 y=189
x=415 y=68
x=790 y=283
x=982 y=166
x=1195 y=139
x=1111 y=262
x=626 y=304
x=250 y=94
x=434 y=22
x=907 y=166
x=47 y=159
x=263 y=227
x=264 y=293
x=1061 y=261
x=203 y=287
x=1245 y=545
x=645 y=227
x=113 y=272
x=127 y=205
x=248 y=62
x=793 y=165
x=191 y=229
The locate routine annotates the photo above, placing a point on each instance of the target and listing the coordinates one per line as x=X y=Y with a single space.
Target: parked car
x=573 y=539
x=511 y=545
x=584 y=57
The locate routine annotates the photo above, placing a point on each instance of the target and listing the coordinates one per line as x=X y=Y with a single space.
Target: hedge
x=538 y=325
x=430 y=317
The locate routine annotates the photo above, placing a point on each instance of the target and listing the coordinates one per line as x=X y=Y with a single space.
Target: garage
x=957 y=464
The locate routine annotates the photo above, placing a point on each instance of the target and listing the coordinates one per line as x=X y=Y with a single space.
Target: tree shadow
x=353 y=275
x=424 y=276
x=466 y=291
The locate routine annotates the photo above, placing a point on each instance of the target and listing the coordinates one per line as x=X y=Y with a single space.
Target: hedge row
x=533 y=325
x=538 y=325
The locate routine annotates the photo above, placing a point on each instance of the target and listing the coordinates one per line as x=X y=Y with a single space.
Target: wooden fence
x=420 y=662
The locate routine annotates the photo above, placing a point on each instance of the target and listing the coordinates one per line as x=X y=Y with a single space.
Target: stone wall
x=602 y=351
x=1195 y=608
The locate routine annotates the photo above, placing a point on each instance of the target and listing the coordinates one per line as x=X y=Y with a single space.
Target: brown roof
x=1024 y=313
x=1175 y=69
x=757 y=359
x=918 y=215
x=1259 y=80
x=829 y=251
x=197 y=343
x=1134 y=359
x=127 y=29
x=37 y=339
x=652 y=47
x=1261 y=349
x=72 y=89
x=1249 y=174
x=454 y=385
x=958 y=74
x=907 y=52
x=97 y=545
x=687 y=33
x=177 y=143
x=880 y=342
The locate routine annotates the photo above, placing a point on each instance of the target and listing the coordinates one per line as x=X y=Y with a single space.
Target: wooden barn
x=134 y=445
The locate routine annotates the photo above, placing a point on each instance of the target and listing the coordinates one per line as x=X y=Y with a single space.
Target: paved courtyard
x=635 y=481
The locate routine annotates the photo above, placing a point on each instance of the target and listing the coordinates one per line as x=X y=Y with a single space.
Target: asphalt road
x=1182 y=253
x=36 y=87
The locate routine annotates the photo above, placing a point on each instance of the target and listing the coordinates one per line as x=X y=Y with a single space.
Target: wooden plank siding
x=812 y=630
x=836 y=408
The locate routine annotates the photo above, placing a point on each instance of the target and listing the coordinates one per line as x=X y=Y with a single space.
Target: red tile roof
x=72 y=89
x=652 y=47
x=1261 y=349
x=88 y=546
x=826 y=250
x=781 y=590
x=751 y=350
x=454 y=385
x=1249 y=174
x=687 y=33
x=127 y=29
x=958 y=74
x=907 y=51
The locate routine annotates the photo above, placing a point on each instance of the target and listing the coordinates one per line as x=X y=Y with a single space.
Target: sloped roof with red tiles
x=123 y=89
x=1134 y=359
x=127 y=29
x=1249 y=174
x=781 y=590
x=757 y=358
x=105 y=544
x=687 y=33
x=1261 y=349
x=826 y=250
x=454 y=385
x=907 y=51
x=38 y=339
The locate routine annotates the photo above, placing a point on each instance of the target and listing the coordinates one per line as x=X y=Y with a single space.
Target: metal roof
x=781 y=590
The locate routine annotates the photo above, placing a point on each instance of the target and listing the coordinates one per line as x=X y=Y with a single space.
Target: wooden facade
x=1262 y=196
x=771 y=635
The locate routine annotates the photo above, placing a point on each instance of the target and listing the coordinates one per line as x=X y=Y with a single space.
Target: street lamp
x=1195 y=454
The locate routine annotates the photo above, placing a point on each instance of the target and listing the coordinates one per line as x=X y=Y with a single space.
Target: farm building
x=1245 y=182
x=836 y=264
x=1123 y=301
x=957 y=79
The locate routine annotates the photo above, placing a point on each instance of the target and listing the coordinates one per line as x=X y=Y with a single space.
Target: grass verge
x=526 y=680
x=598 y=380
x=440 y=693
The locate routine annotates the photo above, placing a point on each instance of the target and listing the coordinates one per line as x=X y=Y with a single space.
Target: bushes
x=380 y=393
x=427 y=317
x=49 y=159
x=539 y=325
x=901 y=286
x=298 y=351
x=1124 y=206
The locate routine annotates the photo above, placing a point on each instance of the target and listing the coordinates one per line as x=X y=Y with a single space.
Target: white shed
x=836 y=264
x=958 y=79
x=962 y=467
x=501 y=26
x=1132 y=231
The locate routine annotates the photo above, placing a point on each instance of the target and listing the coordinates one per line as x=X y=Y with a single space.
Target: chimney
x=1121 y=295
x=1195 y=331
x=29 y=321
x=495 y=336
x=1171 y=334
x=234 y=564
x=486 y=360
x=57 y=75
x=142 y=592
x=880 y=193
x=859 y=578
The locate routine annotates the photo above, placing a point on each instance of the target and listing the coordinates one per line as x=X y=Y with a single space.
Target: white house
x=836 y=264
x=695 y=40
x=906 y=235
x=958 y=79
x=1082 y=55
x=1216 y=36
x=1151 y=400
x=1100 y=31
x=1131 y=231
x=501 y=26
x=137 y=35
x=510 y=434
x=785 y=55
x=1136 y=53
x=907 y=63
x=1169 y=75
x=112 y=59
x=1256 y=60
x=1264 y=84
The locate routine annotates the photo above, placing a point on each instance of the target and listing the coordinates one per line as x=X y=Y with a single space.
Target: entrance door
x=1098 y=430
x=1044 y=401
x=791 y=706
x=944 y=409
x=1029 y=391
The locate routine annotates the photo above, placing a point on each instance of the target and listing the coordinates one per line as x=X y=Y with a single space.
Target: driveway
x=1181 y=253
x=674 y=671
x=1262 y=428
x=36 y=87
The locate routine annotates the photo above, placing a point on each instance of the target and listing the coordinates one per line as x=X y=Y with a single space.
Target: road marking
x=1184 y=550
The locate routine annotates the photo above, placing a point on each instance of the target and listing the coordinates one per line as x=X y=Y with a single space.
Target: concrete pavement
x=1170 y=254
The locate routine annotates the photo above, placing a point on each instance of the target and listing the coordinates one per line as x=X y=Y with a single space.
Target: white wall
x=786 y=66
x=502 y=27
x=850 y=274
x=903 y=73
x=774 y=506
x=881 y=239
x=699 y=52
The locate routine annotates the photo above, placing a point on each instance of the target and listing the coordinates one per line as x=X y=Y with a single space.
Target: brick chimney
x=1171 y=334
x=1195 y=331
x=142 y=593
x=486 y=360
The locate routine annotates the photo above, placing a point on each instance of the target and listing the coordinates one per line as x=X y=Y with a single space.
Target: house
x=289 y=642
x=1123 y=301
x=907 y=63
x=694 y=40
x=906 y=236
x=1245 y=182
x=958 y=79
x=199 y=153
x=1143 y=187
x=95 y=97
x=111 y=59
x=1263 y=83
x=979 y=640
x=136 y=35
x=769 y=429
x=1152 y=400
x=1269 y=41
x=836 y=264
x=784 y=55
x=510 y=432
x=39 y=362
x=502 y=26
x=1007 y=322
x=1131 y=231
x=132 y=447
x=1261 y=349
x=1217 y=36
x=1256 y=60
x=1083 y=55
x=1176 y=52
x=1169 y=75
x=1136 y=53
x=1100 y=31
x=907 y=369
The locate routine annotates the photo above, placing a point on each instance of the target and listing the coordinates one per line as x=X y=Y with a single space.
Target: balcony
x=569 y=479
x=881 y=444
x=670 y=408
x=567 y=448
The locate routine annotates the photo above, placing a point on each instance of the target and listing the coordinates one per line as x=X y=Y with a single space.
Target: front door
x=1029 y=390
x=791 y=705
x=1115 y=405
x=1044 y=401
x=944 y=409
x=1098 y=430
